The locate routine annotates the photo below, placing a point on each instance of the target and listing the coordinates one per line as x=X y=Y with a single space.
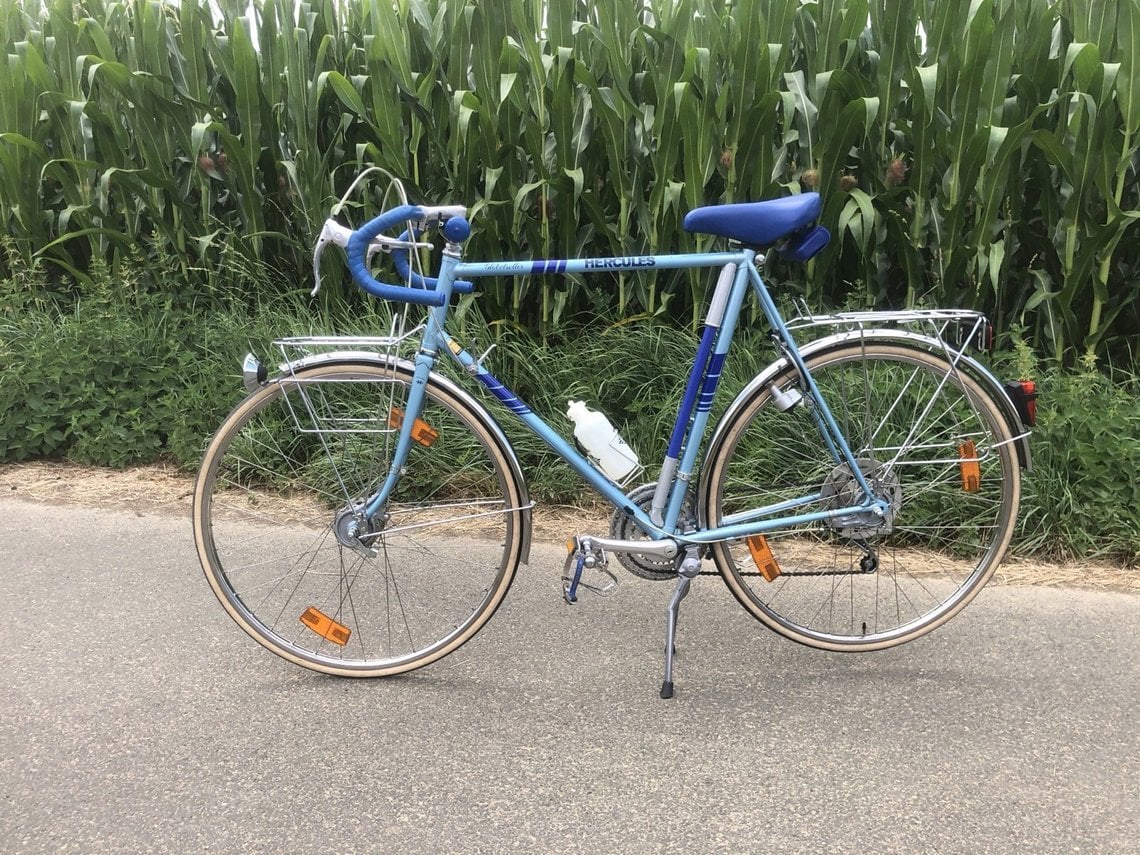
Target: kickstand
x=679 y=593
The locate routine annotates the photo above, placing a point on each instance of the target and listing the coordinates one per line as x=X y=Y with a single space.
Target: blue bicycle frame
x=739 y=271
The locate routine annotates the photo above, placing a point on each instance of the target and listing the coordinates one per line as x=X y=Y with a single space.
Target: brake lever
x=331 y=232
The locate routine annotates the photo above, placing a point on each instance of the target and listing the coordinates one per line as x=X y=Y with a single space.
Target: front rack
x=340 y=405
x=299 y=347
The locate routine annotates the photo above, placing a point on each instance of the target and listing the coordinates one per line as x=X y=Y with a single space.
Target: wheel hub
x=351 y=525
x=841 y=490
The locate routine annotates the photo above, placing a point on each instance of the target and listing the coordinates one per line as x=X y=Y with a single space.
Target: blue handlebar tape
x=358 y=247
x=400 y=260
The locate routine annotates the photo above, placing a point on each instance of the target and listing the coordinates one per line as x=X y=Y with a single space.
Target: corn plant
x=981 y=154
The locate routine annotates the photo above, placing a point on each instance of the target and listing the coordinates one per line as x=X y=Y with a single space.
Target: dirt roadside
x=166 y=490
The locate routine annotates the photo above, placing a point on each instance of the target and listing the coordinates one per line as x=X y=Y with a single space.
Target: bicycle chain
x=868 y=564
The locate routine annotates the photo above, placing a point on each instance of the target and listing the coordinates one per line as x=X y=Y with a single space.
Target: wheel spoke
x=275 y=500
x=912 y=411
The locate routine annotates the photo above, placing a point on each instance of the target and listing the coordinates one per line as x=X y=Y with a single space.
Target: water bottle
x=602 y=442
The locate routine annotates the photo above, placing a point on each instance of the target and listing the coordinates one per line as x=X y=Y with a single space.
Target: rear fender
x=967 y=364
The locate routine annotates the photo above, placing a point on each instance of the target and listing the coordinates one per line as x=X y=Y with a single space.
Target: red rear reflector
x=1029 y=389
x=1023 y=394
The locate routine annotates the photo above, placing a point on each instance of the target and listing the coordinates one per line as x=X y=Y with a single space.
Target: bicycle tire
x=298 y=455
x=907 y=414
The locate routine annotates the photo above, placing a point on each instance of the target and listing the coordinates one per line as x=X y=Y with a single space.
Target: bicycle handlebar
x=358 y=246
x=420 y=289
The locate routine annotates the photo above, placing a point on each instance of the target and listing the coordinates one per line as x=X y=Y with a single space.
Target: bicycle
x=361 y=514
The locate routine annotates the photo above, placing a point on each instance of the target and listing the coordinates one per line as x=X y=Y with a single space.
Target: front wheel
x=283 y=543
x=932 y=444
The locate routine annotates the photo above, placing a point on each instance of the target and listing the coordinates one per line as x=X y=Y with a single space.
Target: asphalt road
x=136 y=717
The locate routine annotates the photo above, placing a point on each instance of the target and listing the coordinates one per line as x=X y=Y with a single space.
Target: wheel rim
x=275 y=505
x=939 y=543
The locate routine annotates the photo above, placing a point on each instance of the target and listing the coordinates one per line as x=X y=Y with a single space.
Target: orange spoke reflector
x=325 y=626
x=971 y=468
x=762 y=555
x=422 y=432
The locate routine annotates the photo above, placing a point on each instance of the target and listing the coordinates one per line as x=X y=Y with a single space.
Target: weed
x=134 y=373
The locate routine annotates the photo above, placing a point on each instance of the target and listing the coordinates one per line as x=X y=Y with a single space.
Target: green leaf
x=858 y=218
x=21 y=140
x=344 y=90
x=1128 y=81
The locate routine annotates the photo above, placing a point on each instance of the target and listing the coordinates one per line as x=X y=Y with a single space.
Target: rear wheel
x=930 y=442
x=283 y=543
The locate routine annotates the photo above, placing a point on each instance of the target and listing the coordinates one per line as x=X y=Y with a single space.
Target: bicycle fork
x=407 y=427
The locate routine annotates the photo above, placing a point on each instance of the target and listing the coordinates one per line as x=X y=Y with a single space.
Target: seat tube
x=692 y=388
x=724 y=311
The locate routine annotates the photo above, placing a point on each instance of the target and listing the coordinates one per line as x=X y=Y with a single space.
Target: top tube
x=605 y=264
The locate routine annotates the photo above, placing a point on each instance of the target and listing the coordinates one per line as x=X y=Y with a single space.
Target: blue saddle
x=755 y=223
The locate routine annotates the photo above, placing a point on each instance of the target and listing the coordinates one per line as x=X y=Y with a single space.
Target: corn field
x=981 y=153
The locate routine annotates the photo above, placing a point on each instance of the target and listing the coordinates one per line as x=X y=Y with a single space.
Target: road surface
x=137 y=717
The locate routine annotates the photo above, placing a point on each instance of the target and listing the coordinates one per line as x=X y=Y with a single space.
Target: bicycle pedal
x=585 y=569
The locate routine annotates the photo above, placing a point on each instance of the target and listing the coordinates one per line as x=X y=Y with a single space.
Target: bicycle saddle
x=755 y=223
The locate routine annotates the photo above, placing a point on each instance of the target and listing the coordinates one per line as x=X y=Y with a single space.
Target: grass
x=1083 y=497
x=132 y=374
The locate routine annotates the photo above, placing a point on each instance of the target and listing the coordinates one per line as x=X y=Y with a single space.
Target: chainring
x=623 y=527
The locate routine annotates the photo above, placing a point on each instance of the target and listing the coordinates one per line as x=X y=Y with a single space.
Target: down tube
x=548 y=435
